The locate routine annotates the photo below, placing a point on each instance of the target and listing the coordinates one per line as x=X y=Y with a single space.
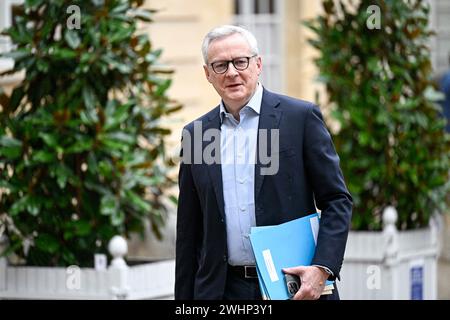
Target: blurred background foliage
x=82 y=153
x=390 y=136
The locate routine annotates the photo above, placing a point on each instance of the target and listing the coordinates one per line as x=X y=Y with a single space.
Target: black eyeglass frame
x=232 y=61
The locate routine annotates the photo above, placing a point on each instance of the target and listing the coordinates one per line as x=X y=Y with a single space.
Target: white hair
x=225 y=31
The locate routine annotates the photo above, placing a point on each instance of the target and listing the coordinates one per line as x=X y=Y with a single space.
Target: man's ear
x=207 y=73
x=259 y=64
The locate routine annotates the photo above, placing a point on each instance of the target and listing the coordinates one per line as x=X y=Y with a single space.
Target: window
x=259 y=7
x=7 y=9
x=263 y=19
x=264 y=6
x=440 y=43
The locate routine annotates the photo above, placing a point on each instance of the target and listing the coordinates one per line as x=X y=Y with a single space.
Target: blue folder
x=285 y=245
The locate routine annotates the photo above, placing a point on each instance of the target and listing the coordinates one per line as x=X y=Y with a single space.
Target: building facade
x=288 y=67
x=179 y=27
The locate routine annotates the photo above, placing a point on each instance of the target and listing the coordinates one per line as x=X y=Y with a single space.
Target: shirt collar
x=254 y=103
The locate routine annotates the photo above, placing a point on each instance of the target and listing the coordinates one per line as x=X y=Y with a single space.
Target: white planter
x=119 y=281
x=391 y=264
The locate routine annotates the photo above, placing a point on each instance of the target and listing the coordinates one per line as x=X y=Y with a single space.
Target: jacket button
x=225 y=259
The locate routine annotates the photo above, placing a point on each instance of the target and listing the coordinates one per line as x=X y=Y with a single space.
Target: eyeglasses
x=239 y=64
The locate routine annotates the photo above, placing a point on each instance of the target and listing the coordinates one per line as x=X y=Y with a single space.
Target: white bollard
x=118 y=248
x=391 y=233
x=118 y=269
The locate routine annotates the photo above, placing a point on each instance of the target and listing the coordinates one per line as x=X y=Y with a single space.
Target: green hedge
x=82 y=153
x=391 y=140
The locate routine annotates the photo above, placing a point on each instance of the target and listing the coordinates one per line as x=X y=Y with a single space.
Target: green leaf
x=68 y=234
x=137 y=202
x=118 y=218
x=43 y=156
x=63 y=53
x=108 y=205
x=33 y=4
x=105 y=168
x=89 y=117
x=10 y=142
x=47 y=243
x=174 y=200
x=50 y=139
x=96 y=187
x=17 y=55
x=69 y=257
x=72 y=38
x=5 y=185
x=33 y=206
x=122 y=137
x=433 y=95
x=160 y=131
x=10 y=153
x=42 y=65
x=19 y=205
x=89 y=98
x=116 y=115
x=120 y=8
x=10 y=148
x=161 y=89
x=142 y=14
x=81 y=145
x=364 y=138
x=153 y=56
x=62 y=175
x=98 y=3
x=82 y=228
x=121 y=34
x=174 y=109
x=116 y=64
x=114 y=146
x=92 y=163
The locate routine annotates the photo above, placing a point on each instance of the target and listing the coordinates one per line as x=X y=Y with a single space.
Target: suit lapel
x=215 y=169
x=269 y=119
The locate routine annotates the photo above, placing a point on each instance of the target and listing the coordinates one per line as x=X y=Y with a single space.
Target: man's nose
x=231 y=71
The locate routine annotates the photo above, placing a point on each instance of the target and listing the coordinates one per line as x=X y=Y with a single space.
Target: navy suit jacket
x=309 y=176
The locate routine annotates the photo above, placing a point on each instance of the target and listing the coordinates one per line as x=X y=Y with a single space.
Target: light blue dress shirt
x=238 y=154
x=238 y=141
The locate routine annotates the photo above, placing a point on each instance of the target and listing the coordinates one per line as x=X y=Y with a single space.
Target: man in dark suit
x=257 y=159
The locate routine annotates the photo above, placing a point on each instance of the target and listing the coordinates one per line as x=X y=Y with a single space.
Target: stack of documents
x=289 y=244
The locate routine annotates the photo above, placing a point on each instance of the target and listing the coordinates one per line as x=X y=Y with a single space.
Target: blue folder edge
x=281 y=246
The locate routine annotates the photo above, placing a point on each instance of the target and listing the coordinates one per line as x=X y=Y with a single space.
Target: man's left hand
x=313 y=280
